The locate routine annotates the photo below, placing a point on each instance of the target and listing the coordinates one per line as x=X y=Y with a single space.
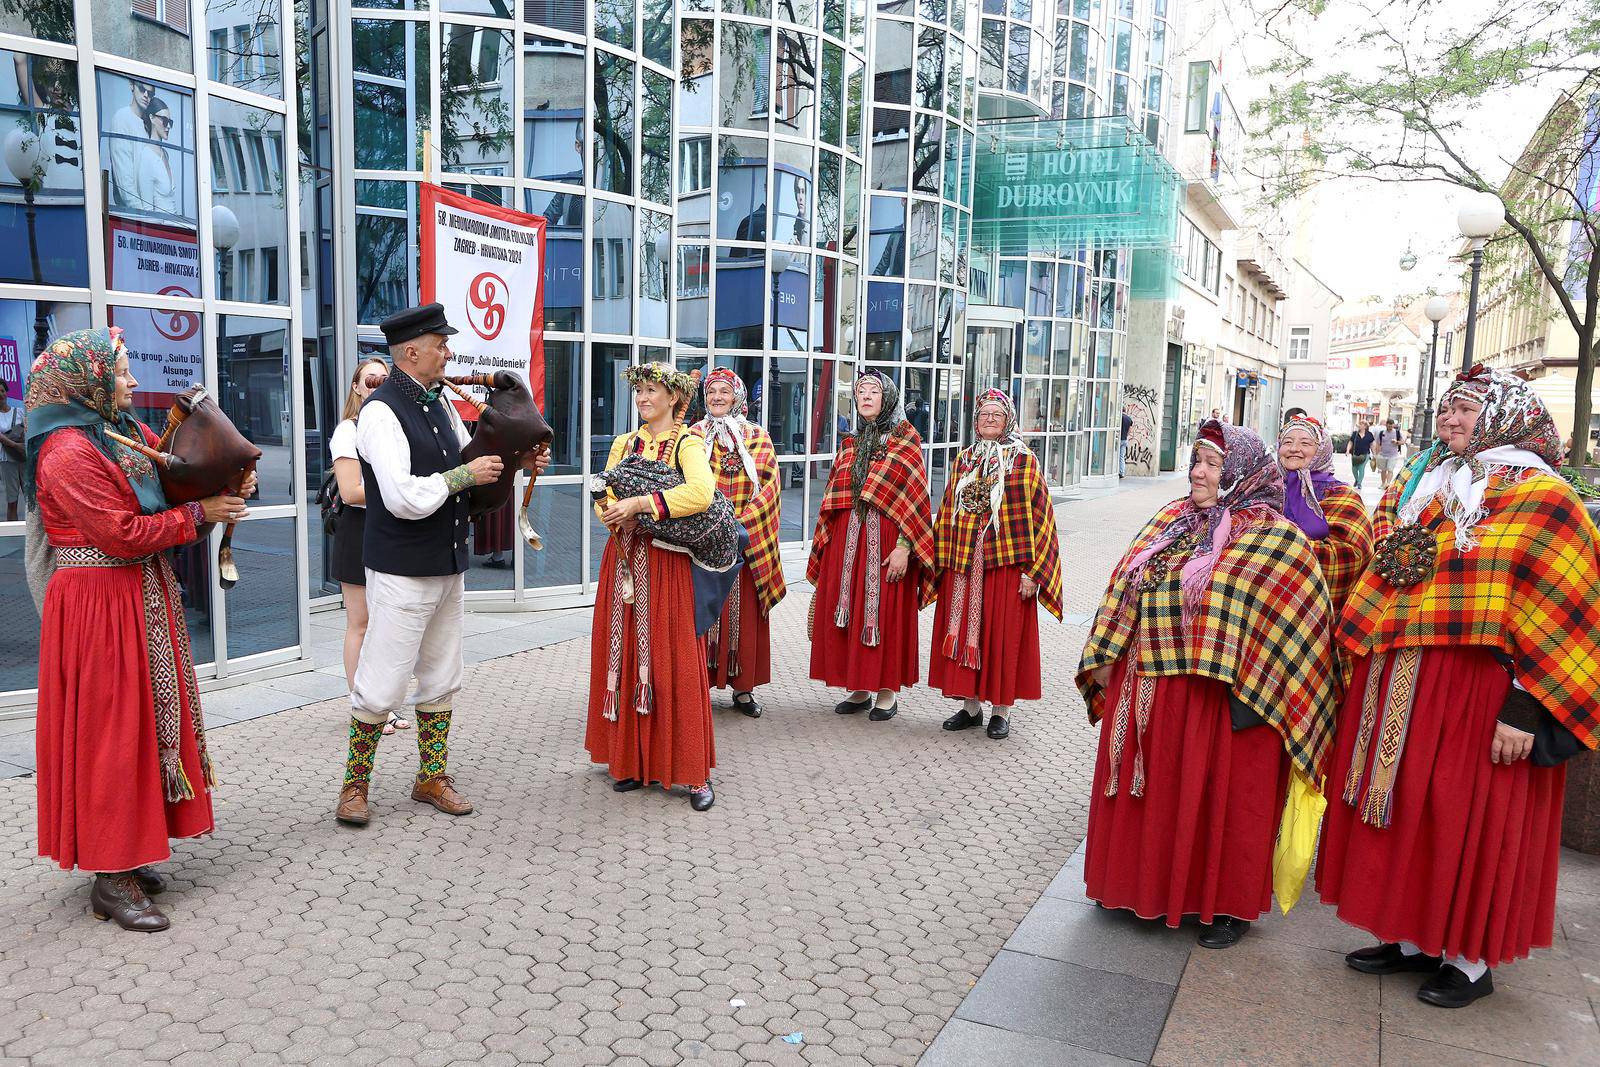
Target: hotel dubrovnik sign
x=1065 y=180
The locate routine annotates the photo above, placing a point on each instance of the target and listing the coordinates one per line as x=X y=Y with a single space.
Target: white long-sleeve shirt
x=382 y=442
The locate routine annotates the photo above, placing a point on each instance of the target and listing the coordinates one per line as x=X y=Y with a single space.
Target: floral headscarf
x=1304 y=488
x=1251 y=484
x=73 y=383
x=1514 y=432
x=992 y=459
x=729 y=429
x=871 y=435
x=679 y=382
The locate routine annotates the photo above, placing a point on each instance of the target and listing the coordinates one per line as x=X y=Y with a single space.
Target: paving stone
x=1108 y=941
x=1208 y=1027
x=1516 y=1022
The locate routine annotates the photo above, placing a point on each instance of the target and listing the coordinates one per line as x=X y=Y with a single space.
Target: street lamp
x=224 y=235
x=25 y=159
x=1436 y=308
x=1479 y=219
x=780 y=262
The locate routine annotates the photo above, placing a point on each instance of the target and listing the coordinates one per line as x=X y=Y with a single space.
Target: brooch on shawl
x=731 y=464
x=1156 y=569
x=1407 y=556
x=975 y=497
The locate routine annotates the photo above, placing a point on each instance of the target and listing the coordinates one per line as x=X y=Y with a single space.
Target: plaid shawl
x=1529 y=587
x=1262 y=629
x=1025 y=534
x=896 y=485
x=1346 y=551
x=756 y=508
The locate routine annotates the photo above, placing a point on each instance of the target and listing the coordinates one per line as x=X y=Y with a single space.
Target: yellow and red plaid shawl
x=1026 y=533
x=1262 y=628
x=756 y=508
x=1346 y=551
x=1530 y=587
x=897 y=486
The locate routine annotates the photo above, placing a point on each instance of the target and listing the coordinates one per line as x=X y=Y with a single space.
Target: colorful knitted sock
x=363 y=751
x=433 y=742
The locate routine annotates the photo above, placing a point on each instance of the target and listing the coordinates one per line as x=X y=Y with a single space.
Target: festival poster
x=485 y=264
x=164 y=346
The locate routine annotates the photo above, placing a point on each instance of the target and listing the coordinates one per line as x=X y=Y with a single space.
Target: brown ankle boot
x=352 y=809
x=441 y=793
x=119 y=896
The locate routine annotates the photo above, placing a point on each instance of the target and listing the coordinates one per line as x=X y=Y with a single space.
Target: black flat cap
x=412 y=323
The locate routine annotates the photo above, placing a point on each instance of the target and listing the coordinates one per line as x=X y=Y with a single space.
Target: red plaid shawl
x=897 y=486
x=1026 y=534
x=1262 y=629
x=1346 y=551
x=757 y=509
x=1530 y=588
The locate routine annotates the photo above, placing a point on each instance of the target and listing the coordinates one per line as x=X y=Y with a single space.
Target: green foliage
x=1580 y=485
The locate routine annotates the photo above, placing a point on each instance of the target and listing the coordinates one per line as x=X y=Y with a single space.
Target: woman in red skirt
x=649 y=701
x=122 y=763
x=746 y=468
x=1328 y=512
x=1212 y=655
x=864 y=613
x=998 y=555
x=1476 y=640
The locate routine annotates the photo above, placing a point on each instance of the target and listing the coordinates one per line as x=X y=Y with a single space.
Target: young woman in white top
x=348 y=566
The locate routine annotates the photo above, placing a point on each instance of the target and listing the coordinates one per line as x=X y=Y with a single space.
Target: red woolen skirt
x=1199 y=842
x=672 y=745
x=1008 y=642
x=837 y=655
x=101 y=802
x=755 y=642
x=1467 y=866
x=494 y=531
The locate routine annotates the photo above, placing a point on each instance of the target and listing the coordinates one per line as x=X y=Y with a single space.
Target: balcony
x=1257 y=257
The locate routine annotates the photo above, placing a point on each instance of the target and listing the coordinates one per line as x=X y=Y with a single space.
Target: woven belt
x=89 y=556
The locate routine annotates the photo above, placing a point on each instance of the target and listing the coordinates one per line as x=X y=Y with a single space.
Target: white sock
x=972 y=706
x=885 y=697
x=1473 y=970
x=859 y=695
x=1408 y=949
x=1002 y=710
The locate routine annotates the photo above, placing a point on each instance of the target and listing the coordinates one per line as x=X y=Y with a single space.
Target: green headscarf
x=73 y=383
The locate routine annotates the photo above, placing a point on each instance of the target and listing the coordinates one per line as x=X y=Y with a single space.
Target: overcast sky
x=1360 y=229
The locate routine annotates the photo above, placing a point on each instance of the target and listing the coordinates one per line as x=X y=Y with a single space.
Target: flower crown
x=678 y=381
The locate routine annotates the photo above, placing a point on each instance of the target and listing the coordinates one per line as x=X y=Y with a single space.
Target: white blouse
x=381 y=441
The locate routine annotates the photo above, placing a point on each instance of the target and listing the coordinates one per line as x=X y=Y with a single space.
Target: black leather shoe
x=963 y=720
x=884 y=714
x=626 y=785
x=151 y=880
x=701 y=799
x=1224 y=932
x=851 y=707
x=999 y=727
x=120 y=898
x=1388 y=959
x=747 y=704
x=1452 y=989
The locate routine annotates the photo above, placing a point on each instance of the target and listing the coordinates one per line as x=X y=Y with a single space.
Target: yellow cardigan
x=690 y=498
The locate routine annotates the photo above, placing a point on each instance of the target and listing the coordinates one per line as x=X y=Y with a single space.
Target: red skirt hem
x=1008 y=643
x=755 y=642
x=838 y=657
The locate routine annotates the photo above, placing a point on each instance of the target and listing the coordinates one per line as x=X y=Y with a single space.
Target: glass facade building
x=783 y=187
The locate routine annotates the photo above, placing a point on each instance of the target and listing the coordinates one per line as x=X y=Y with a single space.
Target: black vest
x=431 y=546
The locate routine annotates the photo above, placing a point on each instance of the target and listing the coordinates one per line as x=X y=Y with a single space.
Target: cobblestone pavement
x=850 y=885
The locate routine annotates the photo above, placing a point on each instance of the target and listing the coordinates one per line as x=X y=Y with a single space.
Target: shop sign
x=165 y=350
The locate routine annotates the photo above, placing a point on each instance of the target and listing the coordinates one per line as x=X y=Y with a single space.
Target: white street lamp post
x=1479 y=219
x=25 y=159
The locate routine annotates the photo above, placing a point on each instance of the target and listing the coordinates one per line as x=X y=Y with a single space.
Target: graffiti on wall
x=1139 y=402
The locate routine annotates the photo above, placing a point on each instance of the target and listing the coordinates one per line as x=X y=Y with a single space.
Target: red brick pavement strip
x=852 y=882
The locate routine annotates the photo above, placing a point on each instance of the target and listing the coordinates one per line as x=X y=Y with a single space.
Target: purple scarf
x=1310 y=519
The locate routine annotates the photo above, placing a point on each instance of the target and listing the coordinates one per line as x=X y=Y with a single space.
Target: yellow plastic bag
x=1297 y=839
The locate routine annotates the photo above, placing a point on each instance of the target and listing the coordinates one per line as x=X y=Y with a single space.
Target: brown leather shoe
x=441 y=793
x=151 y=880
x=120 y=897
x=352 y=809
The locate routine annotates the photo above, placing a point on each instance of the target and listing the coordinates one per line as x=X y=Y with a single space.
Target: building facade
x=1373 y=366
x=784 y=187
x=1308 y=325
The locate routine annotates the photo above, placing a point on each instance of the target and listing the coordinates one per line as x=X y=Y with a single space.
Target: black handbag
x=330 y=504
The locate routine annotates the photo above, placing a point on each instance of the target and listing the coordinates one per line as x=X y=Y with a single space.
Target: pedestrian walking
x=1360 y=450
x=864 y=613
x=347 y=564
x=1391 y=443
x=1122 y=445
x=649 y=718
x=998 y=559
x=409 y=440
x=122 y=760
x=1210 y=670
x=1475 y=640
x=1329 y=513
x=746 y=468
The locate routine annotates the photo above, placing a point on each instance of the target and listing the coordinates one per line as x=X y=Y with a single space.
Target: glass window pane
x=694 y=73
x=745 y=75
x=655 y=264
x=758 y=8
x=794 y=101
x=613 y=123
x=828 y=201
x=152 y=31
x=249 y=218
x=788 y=406
x=563 y=256
x=48 y=20
x=253 y=391
x=656 y=157
x=891 y=148
x=849 y=310
x=242 y=45
x=817 y=486
x=824 y=306
x=569 y=15
x=742 y=189
x=658 y=32
x=557 y=513
x=263 y=609
x=791 y=301
x=613 y=22
x=475 y=100
x=947 y=245
x=46 y=236
x=925 y=171
x=611 y=268
x=919 y=405
x=743 y=290
x=832 y=94
x=610 y=408
x=854 y=106
x=694 y=293
x=389 y=84
x=552 y=109
x=791 y=212
x=886 y=252
x=885 y=317
x=920 y=319
x=924 y=240
x=930 y=69
x=891 y=69
x=956 y=55
x=822 y=433
x=147 y=150
x=387 y=255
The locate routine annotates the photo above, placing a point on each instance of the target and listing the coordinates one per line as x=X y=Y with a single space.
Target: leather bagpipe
x=201 y=453
x=511 y=427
